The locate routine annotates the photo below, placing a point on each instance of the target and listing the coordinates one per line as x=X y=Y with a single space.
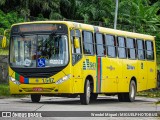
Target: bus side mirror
x=4 y=42
x=76 y=42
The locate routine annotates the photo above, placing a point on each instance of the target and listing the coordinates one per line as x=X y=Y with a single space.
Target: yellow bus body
x=114 y=75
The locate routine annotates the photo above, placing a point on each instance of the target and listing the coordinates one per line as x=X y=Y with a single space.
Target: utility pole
x=26 y=11
x=116 y=13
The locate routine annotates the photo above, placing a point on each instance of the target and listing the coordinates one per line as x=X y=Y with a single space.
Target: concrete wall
x=3 y=68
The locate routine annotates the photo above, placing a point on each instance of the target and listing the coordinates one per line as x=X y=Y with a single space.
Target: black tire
x=85 y=97
x=93 y=96
x=121 y=97
x=130 y=96
x=35 y=98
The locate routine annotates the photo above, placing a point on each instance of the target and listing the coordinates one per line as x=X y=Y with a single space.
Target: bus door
x=76 y=60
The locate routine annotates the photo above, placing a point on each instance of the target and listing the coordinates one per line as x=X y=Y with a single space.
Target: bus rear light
x=63 y=79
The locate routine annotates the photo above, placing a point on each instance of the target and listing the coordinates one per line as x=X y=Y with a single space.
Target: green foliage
x=4 y=90
x=141 y=15
x=136 y=15
x=150 y=93
x=3 y=51
x=6 y=20
x=158 y=43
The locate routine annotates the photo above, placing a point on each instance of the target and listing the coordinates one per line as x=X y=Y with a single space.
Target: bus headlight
x=14 y=81
x=63 y=79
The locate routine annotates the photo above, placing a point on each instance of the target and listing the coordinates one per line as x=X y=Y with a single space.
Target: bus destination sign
x=37 y=27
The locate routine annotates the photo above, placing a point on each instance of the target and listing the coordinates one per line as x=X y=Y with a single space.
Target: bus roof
x=88 y=27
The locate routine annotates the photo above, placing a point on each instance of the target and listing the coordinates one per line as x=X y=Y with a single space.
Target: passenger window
x=131 y=48
x=141 y=50
x=110 y=43
x=121 y=47
x=99 y=44
x=149 y=45
x=149 y=50
x=88 y=43
x=130 y=43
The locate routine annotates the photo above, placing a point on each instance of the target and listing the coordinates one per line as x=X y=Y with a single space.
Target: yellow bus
x=63 y=58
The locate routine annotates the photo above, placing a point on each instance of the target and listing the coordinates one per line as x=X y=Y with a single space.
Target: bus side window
x=88 y=48
x=110 y=43
x=76 y=52
x=140 y=49
x=149 y=50
x=131 y=48
x=121 y=47
x=100 y=50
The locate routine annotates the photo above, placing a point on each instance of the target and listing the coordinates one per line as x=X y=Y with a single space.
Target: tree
x=48 y=8
x=89 y=11
x=139 y=14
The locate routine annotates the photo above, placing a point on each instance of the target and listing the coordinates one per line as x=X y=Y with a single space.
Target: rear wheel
x=130 y=96
x=85 y=97
x=35 y=98
x=121 y=97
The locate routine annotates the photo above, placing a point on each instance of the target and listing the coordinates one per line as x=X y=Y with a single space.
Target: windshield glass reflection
x=39 y=51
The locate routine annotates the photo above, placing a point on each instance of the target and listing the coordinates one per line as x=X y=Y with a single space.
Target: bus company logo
x=87 y=65
x=37 y=80
x=6 y=114
x=130 y=67
x=111 y=68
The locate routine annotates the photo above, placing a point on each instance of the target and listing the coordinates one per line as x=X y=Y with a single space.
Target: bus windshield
x=36 y=51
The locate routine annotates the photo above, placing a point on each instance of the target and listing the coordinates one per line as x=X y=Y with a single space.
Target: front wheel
x=35 y=98
x=85 y=97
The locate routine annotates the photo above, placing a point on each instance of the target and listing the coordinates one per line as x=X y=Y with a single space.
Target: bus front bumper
x=50 y=88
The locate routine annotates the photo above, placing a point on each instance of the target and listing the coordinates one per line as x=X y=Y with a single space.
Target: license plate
x=37 y=89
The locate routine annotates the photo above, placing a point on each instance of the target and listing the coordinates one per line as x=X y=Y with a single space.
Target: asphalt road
x=103 y=103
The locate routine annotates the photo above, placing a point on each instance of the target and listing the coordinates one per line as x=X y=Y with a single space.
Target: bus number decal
x=48 y=80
